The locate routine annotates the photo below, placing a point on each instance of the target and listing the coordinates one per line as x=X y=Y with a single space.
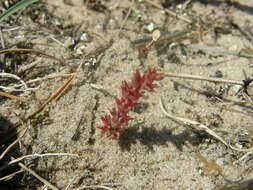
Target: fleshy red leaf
x=131 y=93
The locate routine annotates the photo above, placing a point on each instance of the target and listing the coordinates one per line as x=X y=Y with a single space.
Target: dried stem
x=94 y=187
x=164 y=36
x=45 y=78
x=209 y=79
x=5 y=178
x=126 y=17
x=171 y=12
x=220 y=50
x=47 y=183
x=8 y=95
x=28 y=66
x=19 y=50
x=55 y=96
x=9 y=75
x=40 y=155
x=70 y=183
x=11 y=145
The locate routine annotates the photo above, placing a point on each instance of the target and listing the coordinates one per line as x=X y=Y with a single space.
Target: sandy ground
x=155 y=152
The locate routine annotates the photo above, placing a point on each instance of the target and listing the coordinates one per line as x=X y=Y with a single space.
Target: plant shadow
x=12 y=182
x=150 y=136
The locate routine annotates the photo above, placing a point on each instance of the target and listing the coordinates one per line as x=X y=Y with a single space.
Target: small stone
x=69 y=42
x=91 y=62
x=150 y=27
x=179 y=6
x=80 y=50
x=84 y=37
x=233 y=48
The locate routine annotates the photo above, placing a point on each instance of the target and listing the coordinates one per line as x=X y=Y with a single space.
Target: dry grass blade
x=40 y=155
x=202 y=127
x=221 y=50
x=8 y=177
x=70 y=183
x=94 y=187
x=164 y=37
x=246 y=85
x=61 y=90
x=171 y=12
x=8 y=95
x=55 y=96
x=15 y=77
x=47 y=183
x=9 y=75
x=126 y=17
x=12 y=145
x=209 y=79
x=21 y=50
x=44 y=78
x=28 y=66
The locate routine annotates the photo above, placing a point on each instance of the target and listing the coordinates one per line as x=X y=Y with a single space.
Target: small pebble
x=150 y=27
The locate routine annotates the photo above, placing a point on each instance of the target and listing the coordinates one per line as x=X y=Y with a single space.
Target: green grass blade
x=15 y=8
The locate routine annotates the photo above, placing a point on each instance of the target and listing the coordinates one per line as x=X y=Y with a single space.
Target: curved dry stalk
x=9 y=75
x=202 y=127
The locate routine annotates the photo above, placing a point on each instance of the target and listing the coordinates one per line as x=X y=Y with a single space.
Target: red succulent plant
x=131 y=93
